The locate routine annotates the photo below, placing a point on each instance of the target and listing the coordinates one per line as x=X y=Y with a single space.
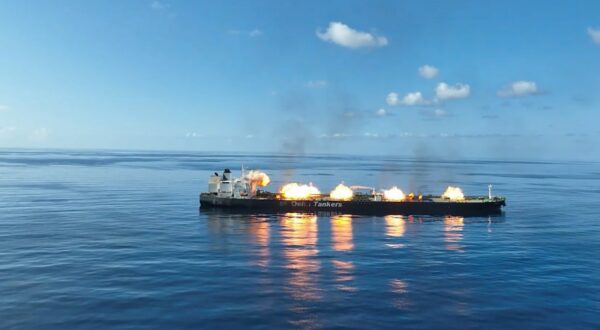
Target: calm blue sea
x=115 y=240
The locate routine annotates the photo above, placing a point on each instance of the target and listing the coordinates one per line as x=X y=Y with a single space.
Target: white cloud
x=518 y=88
x=343 y=35
x=317 y=84
x=39 y=134
x=157 y=5
x=444 y=91
x=414 y=98
x=594 y=33
x=392 y=99
x=381 y=112
x=410 y=99
x=428 y=71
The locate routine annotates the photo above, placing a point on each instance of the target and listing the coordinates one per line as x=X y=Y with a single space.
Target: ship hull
x=469 y=208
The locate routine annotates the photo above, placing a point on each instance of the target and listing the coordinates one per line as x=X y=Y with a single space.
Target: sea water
x=115 y=239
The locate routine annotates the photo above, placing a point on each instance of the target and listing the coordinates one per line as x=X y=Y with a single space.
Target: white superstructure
x=226 y=185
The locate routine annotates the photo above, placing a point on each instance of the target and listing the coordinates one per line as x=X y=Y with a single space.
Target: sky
x=443 y=79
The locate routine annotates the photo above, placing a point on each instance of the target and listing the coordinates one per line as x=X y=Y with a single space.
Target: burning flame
x=393 y=194
x=299 y=191
x=257 y=177
x=453 y=194
x=341 y=192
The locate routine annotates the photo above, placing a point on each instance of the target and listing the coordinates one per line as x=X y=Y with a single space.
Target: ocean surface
x=115 y=240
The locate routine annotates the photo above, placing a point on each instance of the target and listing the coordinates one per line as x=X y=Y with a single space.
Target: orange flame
x=257 y=177
x=299 y=191
x=342 y=193
x=393 y=194
x=453 y=194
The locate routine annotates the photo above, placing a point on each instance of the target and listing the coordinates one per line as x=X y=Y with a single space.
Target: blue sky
x=508 y=79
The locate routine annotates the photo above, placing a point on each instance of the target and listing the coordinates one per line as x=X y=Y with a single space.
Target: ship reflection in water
x=313 y=256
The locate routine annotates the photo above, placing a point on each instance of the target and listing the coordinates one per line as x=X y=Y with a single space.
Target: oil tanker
x=242 y=194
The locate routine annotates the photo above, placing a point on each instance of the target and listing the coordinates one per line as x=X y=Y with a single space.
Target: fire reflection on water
x=400 y=289
x=394 y=225
x=342 y=240
x=341 y=231
x=259 y=232
x=344 y=275
x=453 y=227
x=299 y=235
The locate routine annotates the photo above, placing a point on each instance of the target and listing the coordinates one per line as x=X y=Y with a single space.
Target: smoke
x=331 y=120
x=306 y=118
x=294 y=129
x=295 y=135
x=425 y=166
x=420 y=169
x=346 y=114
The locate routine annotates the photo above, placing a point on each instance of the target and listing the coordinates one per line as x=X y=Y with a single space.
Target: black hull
x=469 y=208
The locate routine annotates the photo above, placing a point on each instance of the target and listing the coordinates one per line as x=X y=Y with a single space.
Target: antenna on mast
x=489 y=191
